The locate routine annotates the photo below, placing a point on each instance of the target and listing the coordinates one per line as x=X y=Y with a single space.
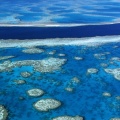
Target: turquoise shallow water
x=84 y=97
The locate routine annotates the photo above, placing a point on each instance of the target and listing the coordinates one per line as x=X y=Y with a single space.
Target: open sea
x=60 y=60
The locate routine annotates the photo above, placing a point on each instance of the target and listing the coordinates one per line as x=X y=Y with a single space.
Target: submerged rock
x=3 y=113
x=109 y=71
x=106 y=94
x=104 y=64
x=21 y=98
x=69 y=89
x=117 y=76
x=92 y=70
x=5 y=66
x=33 y=50
x=52 y=52
x=115 y=59
x=115 y=119
x=49 y=65
x=100 y=56
x=25 y=74
x=78 y=58
x=47 y=104
x=68 y=118
x=20 y=81
x=75 y=80
x=62 y=55
x=114 y=72
x=35 y=92
x=45 y=65
x=118 y=97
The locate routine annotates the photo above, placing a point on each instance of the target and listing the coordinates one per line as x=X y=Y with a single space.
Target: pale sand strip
x=89 y=41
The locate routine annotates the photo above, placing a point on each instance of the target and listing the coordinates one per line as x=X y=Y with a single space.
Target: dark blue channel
x=58 y=32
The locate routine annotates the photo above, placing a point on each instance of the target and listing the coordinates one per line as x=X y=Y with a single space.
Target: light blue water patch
x=110 y=14
x=3 y=15
x=78 y=18
x=36 y=9
x=86 y=98
x=60 y=12
x=30 y=17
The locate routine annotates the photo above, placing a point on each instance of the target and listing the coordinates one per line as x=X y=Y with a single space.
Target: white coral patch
x=45 y=65
x=35 y=92
x=5 y=57
x=114 y=72
x=3 y=113
x=106 y=94
x=92 y=70
x=68 y=118
x=78 y=58
x=32 y=50
x=25 y=74
x=47 y=104
x=20 y=81
x=115 y=119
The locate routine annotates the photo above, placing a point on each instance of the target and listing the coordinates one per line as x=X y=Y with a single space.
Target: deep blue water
x=58 y=32
x=86 y=99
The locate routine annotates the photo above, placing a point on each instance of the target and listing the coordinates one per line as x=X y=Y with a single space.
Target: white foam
x=89 y=41
x=49 y=24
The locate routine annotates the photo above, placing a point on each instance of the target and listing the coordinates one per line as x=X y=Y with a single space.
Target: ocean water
x=83 y=97
x=69 y=50
x=59 y=12
x=58 y=32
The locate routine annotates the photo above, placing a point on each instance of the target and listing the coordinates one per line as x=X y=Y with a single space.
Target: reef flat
x=88 y=41
x=60 y=79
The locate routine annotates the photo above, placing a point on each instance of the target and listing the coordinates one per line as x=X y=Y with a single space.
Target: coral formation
x=35 y=92
x=45 y=65
x=46 y=104
x=115 y=72
x=3 y=113
x=66 y=117
x=32 y=50
x=5 y=57
x=92 y=70
x=20 y=81
x=106 y=94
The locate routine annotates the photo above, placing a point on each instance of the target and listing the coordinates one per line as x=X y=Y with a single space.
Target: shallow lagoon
x=90 y=95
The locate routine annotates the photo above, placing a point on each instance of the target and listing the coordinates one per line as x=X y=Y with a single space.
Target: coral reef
x=32 y=50
x=47 y=104
x=68 y=118
x=106 y=94
x=45 y=65
x=115 y=72
x=25 y=74
x=35 y=92
x=3 y=113
x=92 y=70
x=5 y=57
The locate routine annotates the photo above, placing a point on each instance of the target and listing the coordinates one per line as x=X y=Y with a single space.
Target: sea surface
x=60 y=12
x=60 y=60
x=58 y=32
